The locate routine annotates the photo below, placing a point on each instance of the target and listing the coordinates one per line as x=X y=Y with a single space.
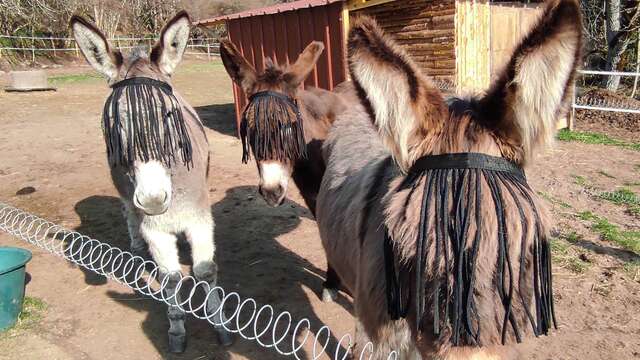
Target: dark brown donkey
x=433 y=226
x=284 y=127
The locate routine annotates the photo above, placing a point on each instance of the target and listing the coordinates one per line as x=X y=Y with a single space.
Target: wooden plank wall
x=472 y=42
x=509 y=24
x=424 y=28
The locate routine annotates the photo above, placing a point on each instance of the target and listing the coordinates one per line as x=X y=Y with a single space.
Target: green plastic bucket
x=12 y=272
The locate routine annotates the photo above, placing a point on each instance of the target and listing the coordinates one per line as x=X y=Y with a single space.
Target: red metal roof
x=273 y=9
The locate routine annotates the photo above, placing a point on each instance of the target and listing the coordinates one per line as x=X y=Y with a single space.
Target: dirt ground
x=52 y=141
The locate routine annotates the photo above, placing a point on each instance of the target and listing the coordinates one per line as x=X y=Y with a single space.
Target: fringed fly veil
x=453 y=197
x=153 y=129
x=272 y=126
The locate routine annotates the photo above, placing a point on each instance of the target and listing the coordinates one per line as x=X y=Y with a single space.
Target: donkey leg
x=205 y=269
x=164 y=249
x=331 y=286
x=137 y=244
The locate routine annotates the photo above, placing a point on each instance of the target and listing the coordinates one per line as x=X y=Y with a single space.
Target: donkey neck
x=319 y=109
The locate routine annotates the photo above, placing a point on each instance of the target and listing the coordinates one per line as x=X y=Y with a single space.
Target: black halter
x=459 y=178
x=272 y=127
x=154 y=128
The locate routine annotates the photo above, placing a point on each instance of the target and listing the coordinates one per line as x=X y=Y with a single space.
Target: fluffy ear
x=96 y=48
x=305 y=63
x=535 y=88
x=403 y=104
x=167 y=53
x=238 y=68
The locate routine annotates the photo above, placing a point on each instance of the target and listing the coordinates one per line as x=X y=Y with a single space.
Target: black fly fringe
x=143 y=120
x=453 y=197
x=272 y=126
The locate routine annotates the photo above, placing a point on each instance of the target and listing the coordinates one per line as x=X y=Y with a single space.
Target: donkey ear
x=95 y=48
x=305 y=63
x=403 y=104
x=167 y=53
x=535 y=88
x=238 y=68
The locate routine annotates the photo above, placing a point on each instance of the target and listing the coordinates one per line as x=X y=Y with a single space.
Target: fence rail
x=583 y=102
x=199 y=46
x=279 y=332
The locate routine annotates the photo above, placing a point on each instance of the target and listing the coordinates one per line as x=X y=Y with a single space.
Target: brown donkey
x=285 y=127
x=424 y=210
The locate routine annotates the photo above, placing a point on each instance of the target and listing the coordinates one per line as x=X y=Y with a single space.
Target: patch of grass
x=563 y=255
x=632 y=268
x=33 y=310
x=582 y=181
x=605 y=174
x=632 y=183
x=629 y=240
x=624 y=197
x=554 y=200
x=572 y=237
x=634 y=210
x=73 y=78
x=595 y=138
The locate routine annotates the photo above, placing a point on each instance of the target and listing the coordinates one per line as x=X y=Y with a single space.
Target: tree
x=621 y=19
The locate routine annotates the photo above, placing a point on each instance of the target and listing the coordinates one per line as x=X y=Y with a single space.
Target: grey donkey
x=163 y=196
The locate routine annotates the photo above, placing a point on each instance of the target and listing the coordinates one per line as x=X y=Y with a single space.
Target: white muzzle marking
x=152 y=187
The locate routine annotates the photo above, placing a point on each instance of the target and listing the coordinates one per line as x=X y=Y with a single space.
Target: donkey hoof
x=225 y=338
x=177 y=343
x=329 y=295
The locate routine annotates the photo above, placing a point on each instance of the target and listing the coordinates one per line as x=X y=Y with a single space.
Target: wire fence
x=33 y=45
x=271 y=329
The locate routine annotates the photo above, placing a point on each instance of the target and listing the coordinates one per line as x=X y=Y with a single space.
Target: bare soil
x=624 y=126
x=52 y=142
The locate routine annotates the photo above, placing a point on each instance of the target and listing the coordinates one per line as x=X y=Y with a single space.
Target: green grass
x=572 y=237
x=624 y=197
x=73 y=78
x=595 y=138
x=629 y=240
x=33 y=310
x=632 y=183
x=562 y=254
x=581 y=181
x=554 y=200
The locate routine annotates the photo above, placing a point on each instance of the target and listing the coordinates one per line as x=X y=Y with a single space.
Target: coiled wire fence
x=262 y=324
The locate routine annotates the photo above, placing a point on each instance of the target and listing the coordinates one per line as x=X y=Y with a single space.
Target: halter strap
x=142 y=80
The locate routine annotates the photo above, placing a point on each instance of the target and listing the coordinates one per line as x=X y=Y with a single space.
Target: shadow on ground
x=251 y=262
x=219 y=117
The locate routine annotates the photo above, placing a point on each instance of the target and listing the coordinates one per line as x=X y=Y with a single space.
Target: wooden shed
x=459 y=43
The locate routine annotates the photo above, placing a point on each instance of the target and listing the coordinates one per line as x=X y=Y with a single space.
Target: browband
x=467 y=161
x=142 y=81
x=269 y=93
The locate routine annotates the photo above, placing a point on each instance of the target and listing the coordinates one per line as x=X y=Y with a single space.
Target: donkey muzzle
x=156 y=204
x=274 y=196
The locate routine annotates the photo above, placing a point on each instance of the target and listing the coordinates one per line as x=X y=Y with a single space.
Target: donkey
x=424 y=210
x=159 y=159
x=272 y=128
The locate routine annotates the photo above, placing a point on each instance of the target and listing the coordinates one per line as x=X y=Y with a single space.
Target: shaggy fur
x=317 y=108
x=146 y=186
x=360 y=198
